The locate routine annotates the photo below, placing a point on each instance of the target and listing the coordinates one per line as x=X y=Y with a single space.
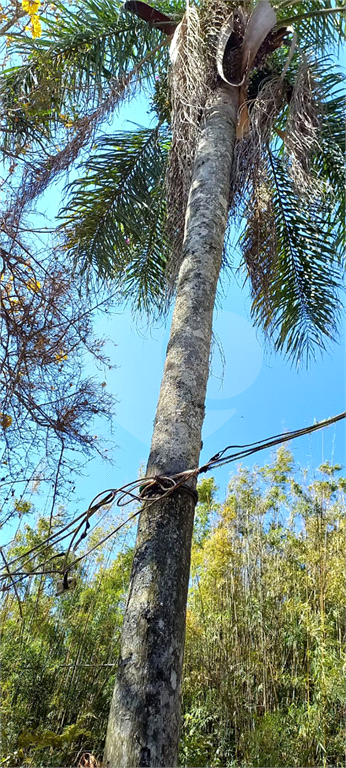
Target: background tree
x=47 y=405
x=263 y=654
x=262 y=680
x=217 y=55
x=58 y=651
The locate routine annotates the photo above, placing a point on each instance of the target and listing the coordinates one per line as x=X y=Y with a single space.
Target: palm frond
x=327 y=162
x=36 y=179
x=73 y=68
x=320 y=26
x=115 y=218
x=143 y=284
x=292 y=260
x=315 y=139
x=302 y=131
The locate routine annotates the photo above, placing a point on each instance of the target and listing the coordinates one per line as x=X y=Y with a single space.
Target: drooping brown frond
x=245 y=40
x=263 y=113
x=249 y=181
x=193 y=76
x=259 y=245
x=35 y=181
x=300 y=136
x=302 y=130
x=190 y=81
x=221 y=40
x=229 y=49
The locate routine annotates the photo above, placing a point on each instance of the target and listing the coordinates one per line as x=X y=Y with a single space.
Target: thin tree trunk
x=144 y=721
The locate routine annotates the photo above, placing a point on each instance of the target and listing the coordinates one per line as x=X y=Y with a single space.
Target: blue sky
x=252 y=394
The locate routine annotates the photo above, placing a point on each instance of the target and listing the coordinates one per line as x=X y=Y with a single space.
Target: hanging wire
x=150 y=489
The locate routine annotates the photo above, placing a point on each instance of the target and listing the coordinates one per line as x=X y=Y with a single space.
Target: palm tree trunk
x=144 y=721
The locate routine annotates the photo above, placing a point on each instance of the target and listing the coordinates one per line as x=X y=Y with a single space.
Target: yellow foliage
x=229 y=511
x=193 y=624
x=36 y=29
x=33 y=285
x=68 y=123
x=31 y=6
x=218 y=551
x=60 y=356
x=5 y=420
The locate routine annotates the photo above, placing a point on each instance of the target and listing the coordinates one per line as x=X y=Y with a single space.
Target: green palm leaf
x=115 y=218
x=292 y=260
x=320 y=26
x=328 y=161
x=73 y=68
x=291 y=197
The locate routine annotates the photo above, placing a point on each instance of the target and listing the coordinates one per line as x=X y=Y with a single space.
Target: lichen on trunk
x=143 y=728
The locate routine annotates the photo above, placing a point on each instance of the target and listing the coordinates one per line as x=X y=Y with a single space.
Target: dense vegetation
x=265 y=647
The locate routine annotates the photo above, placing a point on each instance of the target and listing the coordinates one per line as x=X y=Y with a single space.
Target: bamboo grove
x=265 y=645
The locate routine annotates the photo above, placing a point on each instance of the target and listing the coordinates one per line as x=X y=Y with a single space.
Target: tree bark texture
x=144 y=721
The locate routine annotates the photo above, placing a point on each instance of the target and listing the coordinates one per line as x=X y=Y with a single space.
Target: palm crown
x=126 y=209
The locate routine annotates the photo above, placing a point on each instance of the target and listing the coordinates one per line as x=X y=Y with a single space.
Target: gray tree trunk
x=144 y=721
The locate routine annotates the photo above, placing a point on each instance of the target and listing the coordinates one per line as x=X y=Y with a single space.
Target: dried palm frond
x=216 y=16
x=302 y=131
x=189 y=86
x=225 y=40
x=259 y=242
x=260 y=24
x=154 y=17
x=193 y=76
x=263 y=113
x=229 y=50
x=35 y=181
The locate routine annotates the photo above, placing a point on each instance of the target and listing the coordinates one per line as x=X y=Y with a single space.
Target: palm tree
x=249 y=129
